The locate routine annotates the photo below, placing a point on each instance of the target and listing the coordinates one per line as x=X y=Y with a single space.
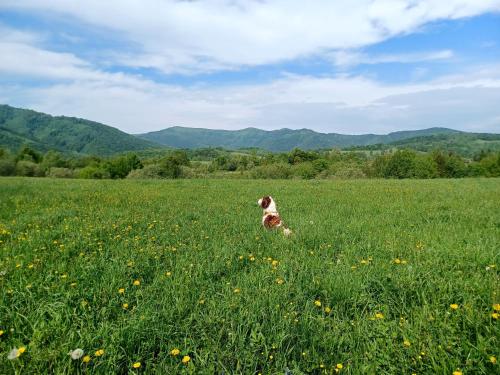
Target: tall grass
x=365 y=285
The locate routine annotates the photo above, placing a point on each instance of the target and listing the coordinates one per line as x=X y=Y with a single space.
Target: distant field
x=381 y=277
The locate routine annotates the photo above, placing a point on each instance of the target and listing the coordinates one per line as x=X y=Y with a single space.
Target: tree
x=121 y=166
x=401 y=165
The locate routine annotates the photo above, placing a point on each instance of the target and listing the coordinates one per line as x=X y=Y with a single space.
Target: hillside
x=67 y=134
x=275 y=140
x=464 y=144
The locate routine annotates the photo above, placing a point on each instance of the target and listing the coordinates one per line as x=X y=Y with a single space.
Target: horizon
x=372 y=68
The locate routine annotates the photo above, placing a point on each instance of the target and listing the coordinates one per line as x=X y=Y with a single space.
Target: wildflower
x=407 y=343
x=252 y=258
x=1 y=332
x=457 y=372
x=237 y=290
x=201 y=301
x=493 y=359
x=274 y=263
x=363 y=261
x=125 y=306
x=175 y=352
x=317 y=303
x=379 y=315
x=168 y=274
x=279 y=281
x=76 y=354
x=16 y=352
x=454 y=306
x=86 y=359
x=353 y=267
x=186 y=359
x=397 y=261
x=496 y=307
x=328 y=310
x=494 y=315
x=136 y=365
x=99 y=352
x=339 y=366
x=121 y=290
x=137 y=283
x=73 y=284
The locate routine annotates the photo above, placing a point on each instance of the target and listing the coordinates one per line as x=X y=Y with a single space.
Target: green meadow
x=179 y=277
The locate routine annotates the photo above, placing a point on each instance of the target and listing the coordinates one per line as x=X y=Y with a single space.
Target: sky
x=334 y=66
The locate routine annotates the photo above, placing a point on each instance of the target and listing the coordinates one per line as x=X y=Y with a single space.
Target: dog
x=271 y=218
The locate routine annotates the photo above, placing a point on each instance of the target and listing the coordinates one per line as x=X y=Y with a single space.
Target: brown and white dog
x=271 y=218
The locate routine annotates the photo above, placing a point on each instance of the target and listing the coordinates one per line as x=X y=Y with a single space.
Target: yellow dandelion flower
x=496 y=307
x=136 y=365
x=453 y=306
x=136 y=283
x=121 y=290
x=379 y=315
x=99 y=352
x=1 y=332
x=168 y=274
x=407 y=343
x=494 y=315
x=328 y=310
x=339 y=366
x=279 y=281
x=457 y=372
x=86 y=359
x=274 y=263
x=237 y=290
x=175 y=352
x=252 y=259
x=317 y=303
x=397 y=261
x=125 y=306
x=186 y=359
x=493 y=359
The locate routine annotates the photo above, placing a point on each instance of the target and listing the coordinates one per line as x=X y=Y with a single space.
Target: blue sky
x=332 y=66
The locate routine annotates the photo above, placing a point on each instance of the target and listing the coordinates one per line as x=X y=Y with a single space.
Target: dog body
x=271 y=218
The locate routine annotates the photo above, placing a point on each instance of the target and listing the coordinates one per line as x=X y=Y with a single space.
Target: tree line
x=220 y=163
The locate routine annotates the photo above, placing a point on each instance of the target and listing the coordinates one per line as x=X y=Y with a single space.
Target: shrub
x=28 y=169
x=7 y=167
x=56 y=172
x=94 y=172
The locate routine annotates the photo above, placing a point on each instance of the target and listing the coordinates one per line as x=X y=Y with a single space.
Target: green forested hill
x=464 y=144
x=67 y=134
x=275 y=140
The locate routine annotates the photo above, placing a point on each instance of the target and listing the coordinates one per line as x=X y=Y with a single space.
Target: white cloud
x=215 y=34
x=348 y=58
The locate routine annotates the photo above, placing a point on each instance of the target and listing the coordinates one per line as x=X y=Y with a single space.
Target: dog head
x=267 y=204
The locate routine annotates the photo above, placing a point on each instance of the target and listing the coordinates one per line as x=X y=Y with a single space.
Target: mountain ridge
x=276 y=140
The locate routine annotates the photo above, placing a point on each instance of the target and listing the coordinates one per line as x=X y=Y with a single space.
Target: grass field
x=382 y=277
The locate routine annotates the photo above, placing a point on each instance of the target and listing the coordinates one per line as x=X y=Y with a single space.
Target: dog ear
x=266 y=201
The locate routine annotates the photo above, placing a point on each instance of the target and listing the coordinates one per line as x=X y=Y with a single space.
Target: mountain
x=67 y=134
x=275 y=140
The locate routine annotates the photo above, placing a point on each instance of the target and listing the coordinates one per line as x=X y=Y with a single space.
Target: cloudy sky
x=330 y=65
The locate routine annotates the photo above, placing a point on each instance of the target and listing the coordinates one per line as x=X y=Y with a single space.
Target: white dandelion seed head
x=14 y=353
x=76 y=354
